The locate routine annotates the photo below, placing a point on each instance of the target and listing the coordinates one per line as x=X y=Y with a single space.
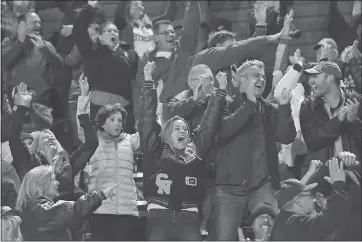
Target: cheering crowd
x=239 y=140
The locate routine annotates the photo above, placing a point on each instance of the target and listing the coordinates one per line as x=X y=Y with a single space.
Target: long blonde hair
x=35 y=184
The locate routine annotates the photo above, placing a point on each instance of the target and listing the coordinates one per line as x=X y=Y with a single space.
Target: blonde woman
x=10 y=225
x=44 y=219
x=175 y=164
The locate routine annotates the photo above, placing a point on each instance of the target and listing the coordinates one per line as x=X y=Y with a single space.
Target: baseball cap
x=290 y=188
x=328 y=67
x=328 y=41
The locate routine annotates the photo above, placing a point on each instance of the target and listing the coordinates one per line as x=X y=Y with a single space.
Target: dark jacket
x=234 y=139
x=23 y=63
x=42 y=219
x=106 y=70
x=289 y=226
x=23 y=161
x=184 y=172
x=10 y=184
x=126 y=29
x=320 y=132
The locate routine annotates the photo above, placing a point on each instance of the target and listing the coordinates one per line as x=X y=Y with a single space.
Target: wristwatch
x=260 y=26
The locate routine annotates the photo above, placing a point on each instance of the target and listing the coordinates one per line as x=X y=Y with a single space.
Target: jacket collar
x=318 y=102
x=186 y=156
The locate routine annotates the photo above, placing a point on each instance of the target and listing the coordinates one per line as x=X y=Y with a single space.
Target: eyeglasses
x=168 y=32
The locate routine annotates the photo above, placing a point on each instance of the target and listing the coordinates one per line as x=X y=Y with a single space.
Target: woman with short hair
x=112 y=163
x=44 y=219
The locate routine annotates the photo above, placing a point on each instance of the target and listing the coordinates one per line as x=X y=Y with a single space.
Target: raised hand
x=22 y=97
x=198 y=93
x=354 y=50
x=314 y=165
x=222 y=79
x=287 y=22
x=23 y=31
x=84 y=93
x=159 y=89
x=148 y=70
x=260 y=12
x=83 y=84
x=111 y=191
x=66 y=30
x=348 y=158
x=207 y=84
x=342 y=113
x=353 y=108
x=93 y=3
x=37 y=41
x=336 y=171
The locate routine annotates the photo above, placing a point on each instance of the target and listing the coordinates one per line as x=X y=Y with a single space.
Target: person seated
x=44 y=219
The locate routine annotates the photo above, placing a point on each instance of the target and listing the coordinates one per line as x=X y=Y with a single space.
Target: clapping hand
x=23 y=31
x=22 y=97
x=336 y=171
x=148 y=70
x=348 y=158
x=37 y=41
x=260 y=12
x=111 y=191
x=84 y=93
x=222 y=79
x=353 y=108
x=342 y=113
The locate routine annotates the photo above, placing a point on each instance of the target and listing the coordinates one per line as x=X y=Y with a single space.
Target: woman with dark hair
x=136 y=27
x=113 y=163
x=174 y=165
x=109 y=64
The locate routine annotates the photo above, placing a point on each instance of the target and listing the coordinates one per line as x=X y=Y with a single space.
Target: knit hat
x=328 y=67
x=289 y=189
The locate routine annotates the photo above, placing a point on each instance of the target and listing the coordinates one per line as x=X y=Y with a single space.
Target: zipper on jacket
x=251 y=141
x=117 y=193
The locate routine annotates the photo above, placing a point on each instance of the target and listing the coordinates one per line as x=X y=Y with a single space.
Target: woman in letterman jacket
x=112 y=163
x=174 y=169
